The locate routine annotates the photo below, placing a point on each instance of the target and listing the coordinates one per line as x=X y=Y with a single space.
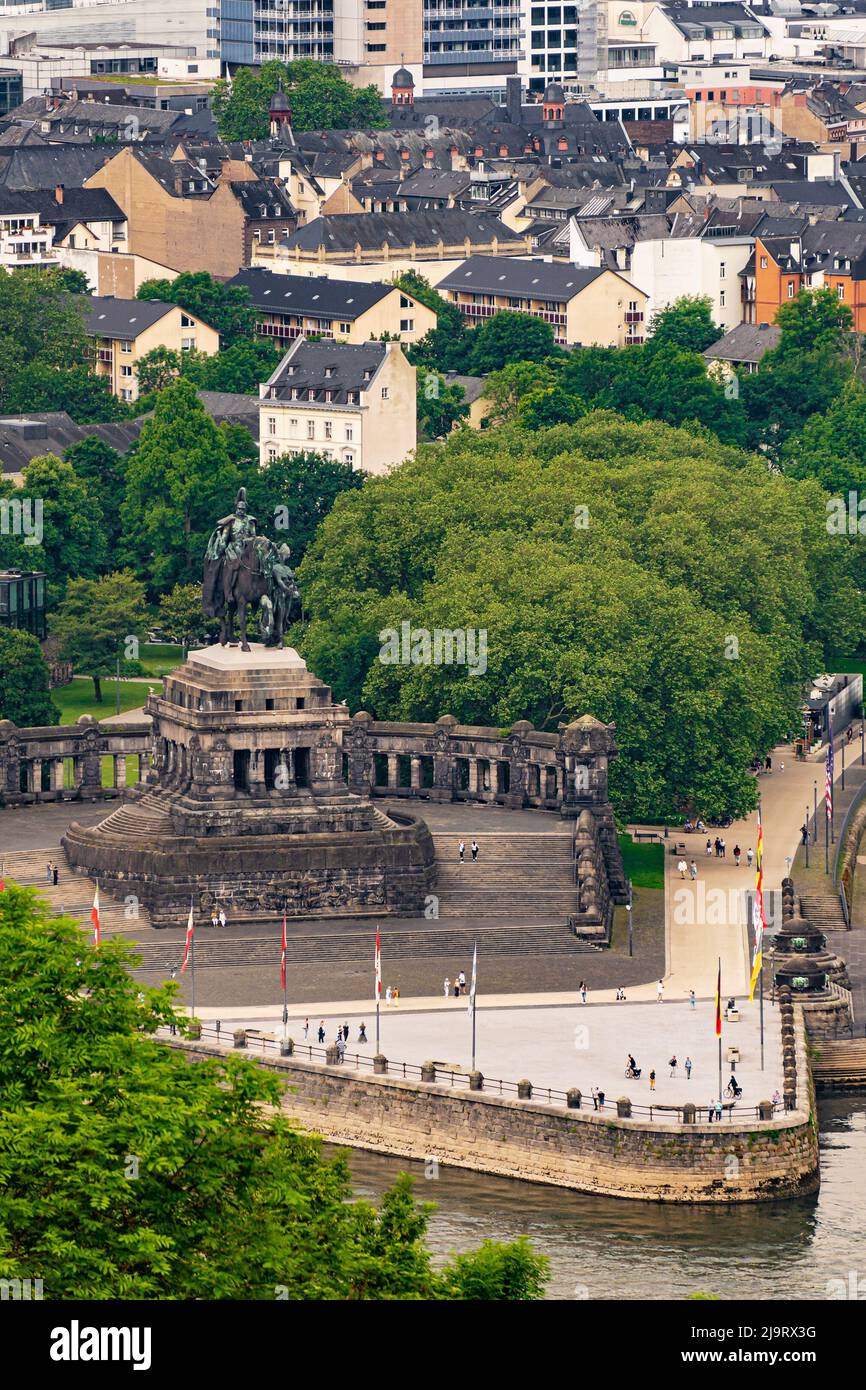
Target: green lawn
x=76 y=699
x=158 y=658
x=851 y=665
x=644 y=863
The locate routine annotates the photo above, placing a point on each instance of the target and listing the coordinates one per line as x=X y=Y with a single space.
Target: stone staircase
x=528 y=877
x=73 y=895
x=823 y=909
x=138 y=822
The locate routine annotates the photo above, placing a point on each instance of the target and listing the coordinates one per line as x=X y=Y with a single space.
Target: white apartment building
x=668 y=268
x=353 y=402
x=24 y=241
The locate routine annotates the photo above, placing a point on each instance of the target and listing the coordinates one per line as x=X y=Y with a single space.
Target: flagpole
x=472 y=997
x=378 y=973
x=761 y=988
x=284 y=974
x=192 y=964
x=720 y=1029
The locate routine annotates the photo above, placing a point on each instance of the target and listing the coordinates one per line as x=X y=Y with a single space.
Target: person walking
x=750 y=854
x=673 y=1065
x=660 y=991
x=340 y=1033
x=48 y=873
x=595 y=1097
x=709 y=847
x=462 y=979
x=682 y=866
x=341 y=1047
x=719 y=1111
x=717 y=846
x=723 y=849
x=693 y=870
x=322 y=1031
x=582 y=988
x=55 y=875
x=456 y=989
x=395 y=995
x=737 y=853
x=306 y=1029
x=346 y=1032
x=768 y=764
x=388 y=997
x=601 y=1100
x=692 y=1000
x=362 y=1033
x=461 y=850
x=688 y=1066
x=711 y=1110
x=447 y=987
x=474 y=850
x=652 y=1079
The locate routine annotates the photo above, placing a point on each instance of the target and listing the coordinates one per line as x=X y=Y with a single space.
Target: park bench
x=645 y=835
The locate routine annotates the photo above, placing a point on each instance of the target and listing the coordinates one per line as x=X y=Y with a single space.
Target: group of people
x=342 y=1035
x=457 y=988
x=217 y=918
x=52 y=874
x=473 y=850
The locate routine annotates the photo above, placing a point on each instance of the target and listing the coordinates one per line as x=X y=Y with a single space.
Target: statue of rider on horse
x=242 y=569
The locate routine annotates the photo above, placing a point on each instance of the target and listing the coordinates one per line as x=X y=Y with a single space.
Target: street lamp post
x=815 y=812
x=806 y=836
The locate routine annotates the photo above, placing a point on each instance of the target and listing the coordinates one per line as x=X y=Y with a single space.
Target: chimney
x=58 y=193
x=178 y=184
x=513 y=99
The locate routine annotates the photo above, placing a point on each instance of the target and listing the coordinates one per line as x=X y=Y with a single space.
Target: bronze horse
x=232 y=586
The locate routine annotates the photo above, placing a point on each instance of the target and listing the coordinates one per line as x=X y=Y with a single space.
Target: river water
x=605 y=1248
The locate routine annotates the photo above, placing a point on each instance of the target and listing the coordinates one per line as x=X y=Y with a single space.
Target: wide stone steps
x=515 y=875
x=73 y=895
x=822 y=909
x=213 y=951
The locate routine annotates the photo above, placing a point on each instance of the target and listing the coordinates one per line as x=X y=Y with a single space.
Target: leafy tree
x=506 y=388
x=240 y=368
x=40 y=323
x=787 y=390
x=180 y=614
x=510 y=337
x=73 y=527
x=229 y=1202
x=179 y=477
x=77 y=390
x=73 y=281
x=321 y=100
x=226 y=308
x=439 y=405
x=293 y=494
x=812 y=320
x=540 y=409
x=687 y=324
x=832 y=446
x=101 y=468
x=156 y=370
x=24 y=692
x=688 y=603
x=94 y=621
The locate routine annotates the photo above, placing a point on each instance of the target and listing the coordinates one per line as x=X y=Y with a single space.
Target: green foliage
x=40 y=322
x=181 y=616
x=226 y=308
x=506 y=388
x=95 y=620
x=687 y=324
x=439 y=405
x=446 y=346
x=77 y=390
x=548 y=406
x=293 y=494
x=321 y=99
x=24 y=693
x=509 y=337
x=179 y=477
x=226 y=1201
x=73 y=281
x=101 y=468
x=813 y=320
x=240 y=368
x=73 y=539
x=689 y=544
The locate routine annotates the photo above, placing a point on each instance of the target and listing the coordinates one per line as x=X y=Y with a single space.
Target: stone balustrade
x=65 y=762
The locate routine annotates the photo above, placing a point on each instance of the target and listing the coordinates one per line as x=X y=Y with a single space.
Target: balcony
x=634 y=316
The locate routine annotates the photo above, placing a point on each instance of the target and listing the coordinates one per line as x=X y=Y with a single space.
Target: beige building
x=353 y=402
x=123 y=330
x=583 y=305
x=296 y=306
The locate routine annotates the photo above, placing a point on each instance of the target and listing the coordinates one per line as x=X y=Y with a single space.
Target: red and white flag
x=94 y=917
x=189 y=935
x=378 y=967
x=283 y=957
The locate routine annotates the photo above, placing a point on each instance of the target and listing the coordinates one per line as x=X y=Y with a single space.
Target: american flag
x=828 y=784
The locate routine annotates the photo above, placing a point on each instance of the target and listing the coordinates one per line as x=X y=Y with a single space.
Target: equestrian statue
x=242 y=569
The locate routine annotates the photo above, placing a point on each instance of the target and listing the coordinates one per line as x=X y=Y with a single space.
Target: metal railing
x=265 y=1045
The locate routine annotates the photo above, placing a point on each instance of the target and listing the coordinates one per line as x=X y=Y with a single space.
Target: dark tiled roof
x=123 y=318
x=505 y=275
x=23 y=437
x=372 y=230
x=746 y=343
x=335 y=367
x=310 y=295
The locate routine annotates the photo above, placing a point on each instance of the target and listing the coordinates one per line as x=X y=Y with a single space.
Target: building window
x=763 y=262
x=350 y=434
x=384 y=393
x=721 y=270
x=329 y=434
x=125 y=347
x=187 y=344
x=272 y=453
x=125 y=371
x=721 y=299
x=126 y=393
x=293 y=424
x=840 y=291
x=311 y=429
x=186 y=321
x=407 y=325
x=272 y=424
x=790 y=289
x=345 y=328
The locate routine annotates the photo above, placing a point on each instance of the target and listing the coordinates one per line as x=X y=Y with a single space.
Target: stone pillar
x=120 y=770
x=573 y=1098
x=765 y=1110
x=689 y=1113
x=473 y=776
x=332 y=1055
x=287 y=1047
x=380 y=1064
x=92 y=779
x=415 y=772
x=524 y=1090
x=393 y=771
x=494 y=776
x=623 y=1108
x=240 y=1037
x=476 y=1081
x=428 y=1071
x=58 y=767
x=35 y=775
x=257 y=773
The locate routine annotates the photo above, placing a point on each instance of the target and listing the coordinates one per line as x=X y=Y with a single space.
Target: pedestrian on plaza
x=737 y=853
x=673 y=1065
x=341 y=1047
x=660 y=991
x=711 y=1110
x=653 y=1079
x=583 y=990
x=595 y=1097
x=692 y=999
x=682 y=866
x=340 y=1033
x=222 y=917
x=723 y=849
x=750 y=854
x=456 y=989
x=717 y=846
x=693 y=870
x=719 y=1110
x=781 y=767
x=362 y=1033
x=777 y=1099
x=601 y=1100
x=388 y=997
x=768 y=764
x=395 y=996
x=446 y=986
x=306 y=1029
x=462 y=979
x=48 y=873
x=688 y=1066
x=804 y=833
x=461 y=850
x=474 y=850
x=214 y=919
x=55 y=875
x=322 y=1031
x=709 y=847
x=346 y=1031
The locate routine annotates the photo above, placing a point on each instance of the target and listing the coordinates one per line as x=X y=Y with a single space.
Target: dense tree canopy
x=101 y=622
x=24 y=693
x=686 y=324
x=291 y=495
x=321 y=99
x=689 y=608
x=225 y=308
x=73 y=527
x=127 y=1173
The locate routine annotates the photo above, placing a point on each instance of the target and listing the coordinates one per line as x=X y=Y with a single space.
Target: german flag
x=719 y=1001
x=759 y=921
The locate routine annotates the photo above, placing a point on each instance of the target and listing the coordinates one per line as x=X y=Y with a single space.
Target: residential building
x=698 y=33
x=792 y=255
x=123 y=330
x=11 y=89
x=743 y=347
x=583 y=305
x=22 y=601
x=348 y=401
x=299 y=306
x=24 y=239
x=669 y=267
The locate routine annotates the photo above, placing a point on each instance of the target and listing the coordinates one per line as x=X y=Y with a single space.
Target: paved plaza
x=574 y=1045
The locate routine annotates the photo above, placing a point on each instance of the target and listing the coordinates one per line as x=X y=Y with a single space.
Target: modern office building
x=22 y=600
